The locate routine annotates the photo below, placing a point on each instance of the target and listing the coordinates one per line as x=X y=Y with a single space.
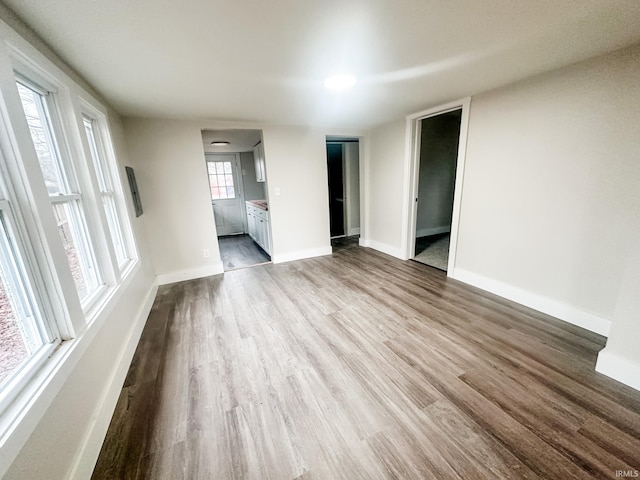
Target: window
x=106 y=186
x=67 y=250
x=24 y=335
x=63 y=192
x=221 y=180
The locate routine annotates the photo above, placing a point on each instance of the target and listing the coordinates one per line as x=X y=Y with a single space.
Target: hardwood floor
x=238 y=251
x=361 y=366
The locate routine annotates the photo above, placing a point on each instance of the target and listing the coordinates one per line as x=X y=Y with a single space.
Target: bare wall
x=384 y=179
x=253 y=190
x=551 y=201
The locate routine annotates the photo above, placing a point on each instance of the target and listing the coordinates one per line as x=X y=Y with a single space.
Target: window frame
x=64 y=143
x=36 y=227
x=25 y=261
x=107 y=166
x=224 y=174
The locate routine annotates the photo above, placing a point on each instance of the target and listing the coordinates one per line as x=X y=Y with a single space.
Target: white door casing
x=227 y=196
x=412 y=152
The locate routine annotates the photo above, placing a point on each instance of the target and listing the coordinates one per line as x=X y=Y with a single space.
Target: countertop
x=262 y=204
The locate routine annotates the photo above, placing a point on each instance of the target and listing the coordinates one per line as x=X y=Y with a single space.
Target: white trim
x=87 y=455
x=412 y=155
x=363 y=171
x=618 y=368
x=197 y=272
x=20 y=420
x=353 y=231
x=543 y=304
x=301 y=254
x=426 y=232
x=382 y=247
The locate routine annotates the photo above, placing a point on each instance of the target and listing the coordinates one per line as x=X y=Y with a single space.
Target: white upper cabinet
x=258 y=156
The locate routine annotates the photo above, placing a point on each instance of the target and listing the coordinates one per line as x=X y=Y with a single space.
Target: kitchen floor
x=239 y=251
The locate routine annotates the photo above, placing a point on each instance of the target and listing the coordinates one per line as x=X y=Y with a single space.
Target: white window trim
x=69 y=145
x=94 y=110
x=21 y=418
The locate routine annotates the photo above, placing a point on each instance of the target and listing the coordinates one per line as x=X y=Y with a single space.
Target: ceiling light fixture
x=219 y=143
x=340 y=82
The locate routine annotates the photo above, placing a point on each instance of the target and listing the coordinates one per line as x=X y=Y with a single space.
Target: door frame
x=412 y=176
x=342 y=137
x=239 y=187
x=344 y=189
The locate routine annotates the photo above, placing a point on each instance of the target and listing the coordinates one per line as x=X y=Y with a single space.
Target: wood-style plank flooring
x=361 y=366
x=239 y=251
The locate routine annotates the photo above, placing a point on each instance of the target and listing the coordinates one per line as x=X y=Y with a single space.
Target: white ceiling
x=239 y=140
x=265 y=61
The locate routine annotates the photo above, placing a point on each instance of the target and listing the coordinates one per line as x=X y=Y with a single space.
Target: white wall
x=172 y=180
x=296 y=164
x=621 y=358
x=173 y=187
x=253 y=190
x=550 y=203
x=384 y=184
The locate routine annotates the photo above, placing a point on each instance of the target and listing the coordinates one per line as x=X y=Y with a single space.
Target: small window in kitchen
x=221 y=180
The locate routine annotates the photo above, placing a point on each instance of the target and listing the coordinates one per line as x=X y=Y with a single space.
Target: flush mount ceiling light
x=219 y=143
x=340 y=82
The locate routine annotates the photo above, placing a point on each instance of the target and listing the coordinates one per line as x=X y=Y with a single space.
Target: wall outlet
x=276 y=191
x=205 y=253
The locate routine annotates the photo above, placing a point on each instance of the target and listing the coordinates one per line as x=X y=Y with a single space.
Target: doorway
x=439 y=138
x=227 y=196
x=436 y=167
x=236 y=174
x=343 y=174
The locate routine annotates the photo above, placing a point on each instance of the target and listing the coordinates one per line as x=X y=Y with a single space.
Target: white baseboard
x=88 y=454
x=382 y=247
x=426 y=232
x=301 y=254
x=353 y=231
x=618 y=368
x=557 y=309
x=198 y=272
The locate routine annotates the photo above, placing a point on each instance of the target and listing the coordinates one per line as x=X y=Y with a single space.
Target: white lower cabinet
x=258 y=226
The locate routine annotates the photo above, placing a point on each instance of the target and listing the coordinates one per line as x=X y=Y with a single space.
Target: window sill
x=24 y=413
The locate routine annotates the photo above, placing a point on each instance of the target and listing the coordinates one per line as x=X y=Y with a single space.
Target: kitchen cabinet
x=258 y=225
x=258 y=158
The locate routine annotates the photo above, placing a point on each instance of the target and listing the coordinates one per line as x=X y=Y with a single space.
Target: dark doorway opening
x=335 y=170
x=439 y=142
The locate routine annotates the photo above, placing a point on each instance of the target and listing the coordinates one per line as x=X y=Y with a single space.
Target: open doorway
x=437 y=145
x=343 y=172
x=439 y=140
x=236 y=173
